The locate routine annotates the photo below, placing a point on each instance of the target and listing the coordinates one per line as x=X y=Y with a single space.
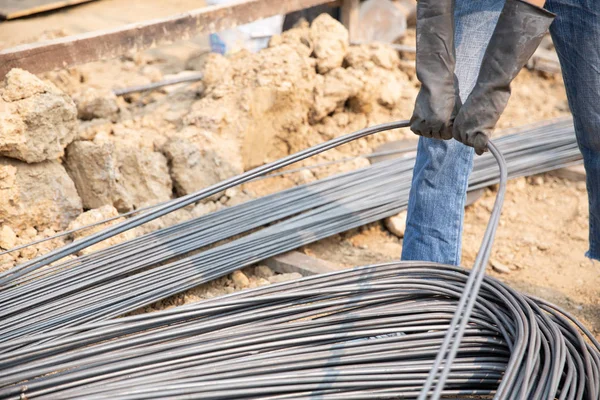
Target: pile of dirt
x=128 y=152
x=308 y=86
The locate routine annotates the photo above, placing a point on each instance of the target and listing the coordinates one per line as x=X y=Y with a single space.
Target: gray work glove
x=435 y=106
x=520 y=29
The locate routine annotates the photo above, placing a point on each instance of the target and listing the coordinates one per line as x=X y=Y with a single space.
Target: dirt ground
x=543 y=232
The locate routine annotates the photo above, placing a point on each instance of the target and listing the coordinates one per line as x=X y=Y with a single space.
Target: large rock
x=192 y=169
x=96 y=103
x=378 y=54
x=298 y=37
x=240 y=280
x=8 y=237
x=37 y=121
x=125 y=177
x=94 y=170
x=381 y=88
x=330 y=40
x=397 y=224
x=94 y=216
x=41 y=195
x=145 y=176
x=332 y=90
x=384 y=83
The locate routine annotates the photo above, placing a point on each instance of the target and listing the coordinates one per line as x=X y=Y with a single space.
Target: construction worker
x=468 y=52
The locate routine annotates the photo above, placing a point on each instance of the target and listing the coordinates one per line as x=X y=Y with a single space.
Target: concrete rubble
x=330 y=40
x=37 y=121
x=122 y=176
x=40 y=195
x=96 y=103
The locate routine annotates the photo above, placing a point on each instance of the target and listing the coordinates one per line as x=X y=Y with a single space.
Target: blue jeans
x=437 y=197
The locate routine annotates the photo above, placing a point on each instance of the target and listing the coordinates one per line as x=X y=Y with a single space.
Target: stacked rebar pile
x=128 y=276
x=411 y=330
x=370 y=332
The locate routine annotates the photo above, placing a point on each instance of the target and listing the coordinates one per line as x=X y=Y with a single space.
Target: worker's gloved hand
x=520 y=29
x=435 y=107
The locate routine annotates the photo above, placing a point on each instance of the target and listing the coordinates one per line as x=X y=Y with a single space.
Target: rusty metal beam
x=106 y=44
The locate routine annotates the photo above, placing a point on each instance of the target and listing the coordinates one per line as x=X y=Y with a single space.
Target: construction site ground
x=543 y=233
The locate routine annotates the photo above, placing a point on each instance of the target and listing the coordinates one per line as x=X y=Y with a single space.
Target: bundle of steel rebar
x=366 y=333
x=411 y=330
x=125 y=277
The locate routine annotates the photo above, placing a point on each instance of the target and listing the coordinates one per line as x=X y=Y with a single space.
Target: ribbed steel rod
x=117 y=280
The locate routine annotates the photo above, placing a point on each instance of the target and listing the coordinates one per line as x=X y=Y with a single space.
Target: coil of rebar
x=369 y=332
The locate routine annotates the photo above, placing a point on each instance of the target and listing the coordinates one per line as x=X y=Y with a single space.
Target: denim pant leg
x=442 y=168
x=576 y=36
